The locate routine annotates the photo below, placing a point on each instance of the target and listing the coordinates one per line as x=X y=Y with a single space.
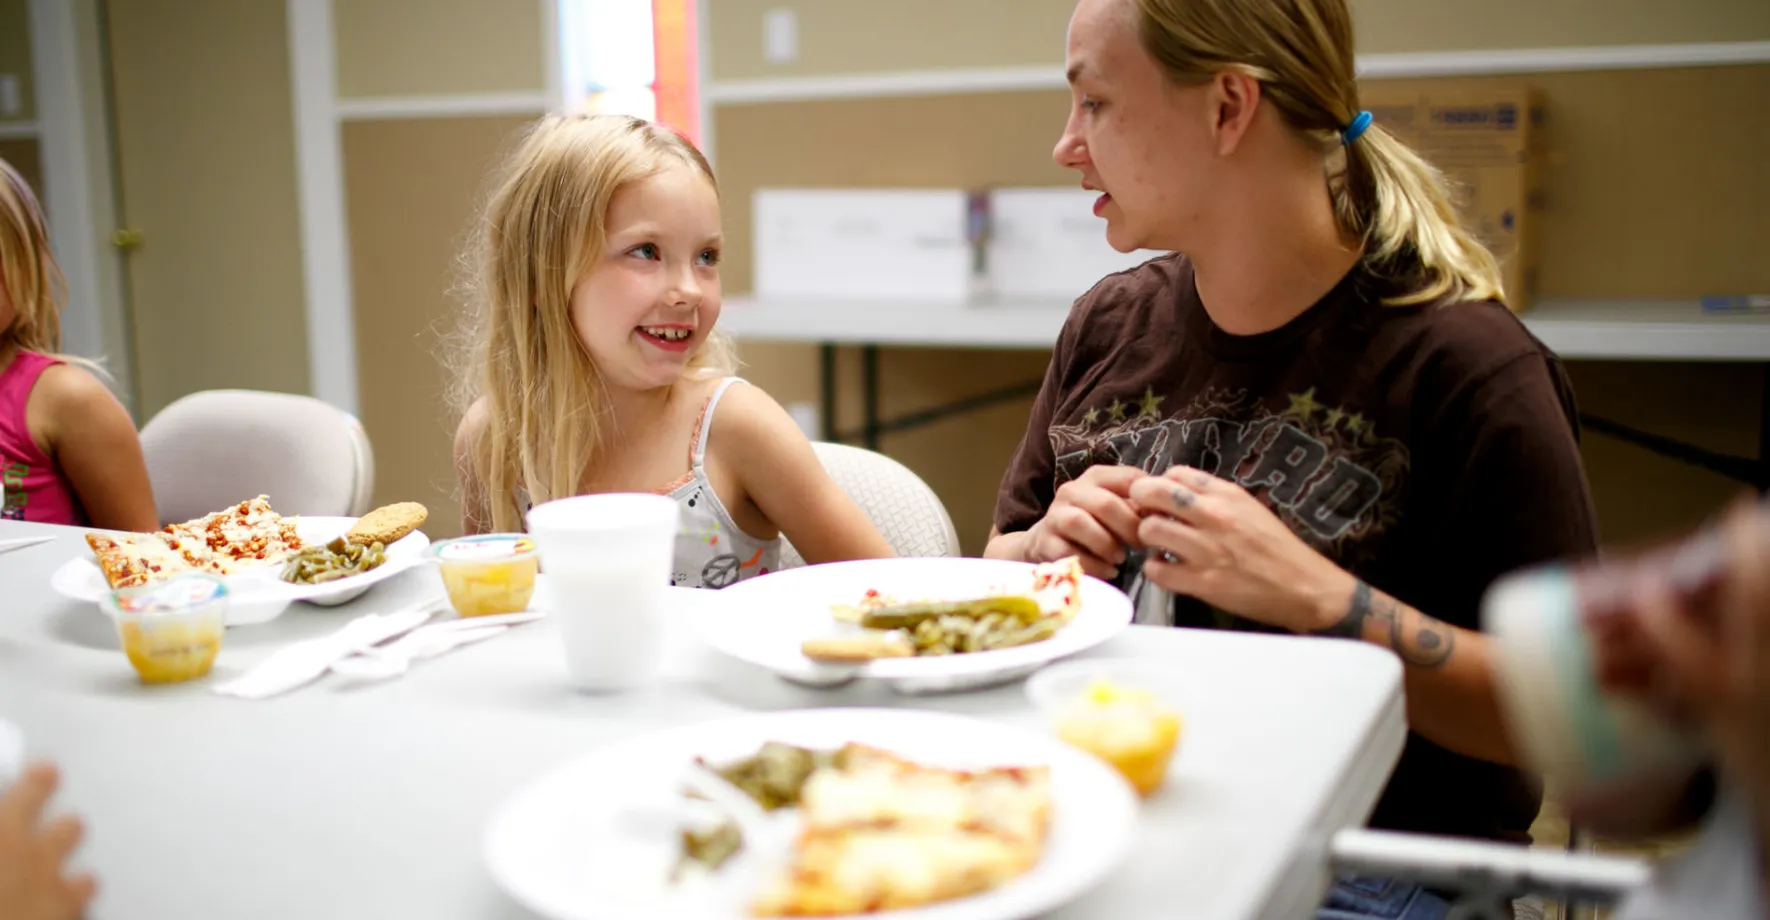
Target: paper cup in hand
x=606 y=566
x=1545 y=674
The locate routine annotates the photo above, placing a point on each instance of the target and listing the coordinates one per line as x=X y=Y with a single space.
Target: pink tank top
x=35 y=489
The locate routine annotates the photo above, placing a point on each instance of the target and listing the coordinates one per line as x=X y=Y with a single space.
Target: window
x=632 y=57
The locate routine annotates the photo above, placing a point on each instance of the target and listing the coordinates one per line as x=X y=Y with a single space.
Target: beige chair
x=907 y=513
x=211 y=449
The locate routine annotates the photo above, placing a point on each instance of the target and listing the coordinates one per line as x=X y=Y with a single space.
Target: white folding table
x=371 y=801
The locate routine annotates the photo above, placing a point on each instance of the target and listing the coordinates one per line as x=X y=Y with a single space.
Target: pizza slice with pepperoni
x=224 y=542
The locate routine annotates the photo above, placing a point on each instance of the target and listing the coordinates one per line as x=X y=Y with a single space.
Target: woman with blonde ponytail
x=1317 y=415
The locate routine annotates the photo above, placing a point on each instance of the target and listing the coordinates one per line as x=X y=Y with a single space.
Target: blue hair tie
x=1355 y=130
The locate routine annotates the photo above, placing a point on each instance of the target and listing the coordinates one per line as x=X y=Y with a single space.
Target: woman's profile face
x=1135 y=136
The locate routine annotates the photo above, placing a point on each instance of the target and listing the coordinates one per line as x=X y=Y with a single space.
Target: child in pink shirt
x=68 y=451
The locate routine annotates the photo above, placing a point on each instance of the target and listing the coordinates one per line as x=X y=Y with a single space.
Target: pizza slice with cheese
x=884 y=833
x=221 y=543
x=1057 y=586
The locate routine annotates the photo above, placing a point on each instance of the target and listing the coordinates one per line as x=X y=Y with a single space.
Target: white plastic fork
x=372 y=664
x=297 y=665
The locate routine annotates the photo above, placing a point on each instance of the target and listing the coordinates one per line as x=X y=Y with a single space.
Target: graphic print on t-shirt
x=12 y=491
x=1324 y=469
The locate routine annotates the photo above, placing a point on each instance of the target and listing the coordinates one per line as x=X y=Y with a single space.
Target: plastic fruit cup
x=171 y=630
x=1123 y=711
x=488 y=574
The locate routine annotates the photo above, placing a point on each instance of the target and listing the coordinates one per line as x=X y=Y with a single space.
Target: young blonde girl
x=68 y=451
x=595 y=365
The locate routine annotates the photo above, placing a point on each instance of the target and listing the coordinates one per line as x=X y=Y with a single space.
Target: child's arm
x=476 y=515
x=782 y=477
x=92 y=439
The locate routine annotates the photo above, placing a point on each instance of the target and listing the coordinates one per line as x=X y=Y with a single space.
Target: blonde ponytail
x=1400 y=205
x=1383 y=193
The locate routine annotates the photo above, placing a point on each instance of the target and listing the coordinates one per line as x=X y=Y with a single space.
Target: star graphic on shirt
x=1303 y=405
x=1090 y=417
x=1151 y=403
x=1355 y=422
x=1115 y=412
x=1333 y=417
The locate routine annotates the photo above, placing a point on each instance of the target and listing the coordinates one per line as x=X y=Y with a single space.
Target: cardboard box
x=865 y=244
x=1489 y=145
x=1046 y=244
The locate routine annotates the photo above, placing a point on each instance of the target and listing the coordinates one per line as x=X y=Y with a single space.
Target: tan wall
x=108 y=283
x=412 y=187
x=1630 y=214
x=1637 y=213
x=1642 y=495
x=208 y=175
x=1408 y=25
x=15 y=55
x=857 y=36
x=994 y=139
x=26 y=156
x=437 y=47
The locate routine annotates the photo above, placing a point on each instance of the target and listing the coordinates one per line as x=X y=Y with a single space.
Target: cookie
x=858 y=648
x=388 y=524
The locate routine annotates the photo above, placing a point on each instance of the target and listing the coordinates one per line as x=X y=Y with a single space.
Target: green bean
x=710 y=849
x=908 y=615
x=775 y=774
x=335 y=560
x=966 y=627
x=1037 y=632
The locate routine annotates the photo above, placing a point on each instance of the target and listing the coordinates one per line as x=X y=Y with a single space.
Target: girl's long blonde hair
x=1384 y=194
x=542 y=228
x=34 y=281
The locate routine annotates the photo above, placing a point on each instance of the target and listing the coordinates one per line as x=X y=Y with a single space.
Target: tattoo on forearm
x=1420 y=640
x=1351 y=626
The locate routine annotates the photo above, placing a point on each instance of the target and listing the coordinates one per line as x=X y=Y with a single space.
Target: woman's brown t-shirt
x=1426 y=449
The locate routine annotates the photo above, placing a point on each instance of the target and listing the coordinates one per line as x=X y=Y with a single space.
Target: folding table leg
x=869 y=391
x=1764 y=432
